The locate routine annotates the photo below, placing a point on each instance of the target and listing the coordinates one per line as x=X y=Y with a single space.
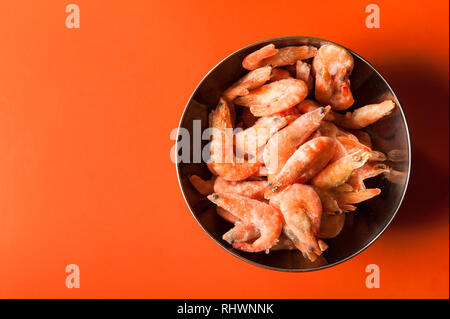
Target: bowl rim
x=296 y=270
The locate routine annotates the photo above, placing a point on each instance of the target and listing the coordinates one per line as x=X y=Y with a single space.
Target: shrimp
x=364 y=116
x=241 y=232
x=250 y=189
x=303 y=72
x=302 y=210
x=317 y=150
x=279 y=74
x=290 y=55
x=229 y=217
x=332 y=67
x=254 y=60
x=307 y=106
x=263 y=216
x=202 y=186
x=274 y=97
x=252 y=139
x=252 y=80
x=222 y=145
x=357 y=197
x=284 y=143
x=338 y=172
x=366 y=171
x=363 y=137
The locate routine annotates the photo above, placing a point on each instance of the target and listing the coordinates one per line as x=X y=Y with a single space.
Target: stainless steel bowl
x=361 y=228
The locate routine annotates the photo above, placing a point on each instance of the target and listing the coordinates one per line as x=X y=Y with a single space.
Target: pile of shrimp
x=297 y=164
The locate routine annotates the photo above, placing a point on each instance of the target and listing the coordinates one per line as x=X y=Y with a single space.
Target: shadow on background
x=423 y=93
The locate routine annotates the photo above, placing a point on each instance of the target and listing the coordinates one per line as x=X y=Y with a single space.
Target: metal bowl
x=362 y=227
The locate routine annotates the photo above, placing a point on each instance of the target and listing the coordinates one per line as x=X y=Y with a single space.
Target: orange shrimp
x=319 y=149
x=274 y=97
x=279 y=74
x=250 y=189
x=303 y=72
x=250 y=81
x=368 y=170
x=338 y=172
x=307 y=106
x=223 y=161
x=365 y=115
x=202 y=186
x=263 y=216
x=284 y=143
x=290 y=55
x=332 y=67
x=229 y=217
x=357 y=197
x=241 y=232
x=302 y=211
x=254 y=60
x=253 y=138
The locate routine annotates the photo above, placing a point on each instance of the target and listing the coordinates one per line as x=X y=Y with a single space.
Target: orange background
x=85 y=173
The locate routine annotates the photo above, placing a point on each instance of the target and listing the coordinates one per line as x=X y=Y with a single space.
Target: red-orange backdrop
x=85 y=173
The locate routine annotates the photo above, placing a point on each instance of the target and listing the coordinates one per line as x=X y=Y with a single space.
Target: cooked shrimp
x=253 y=138
x=332 y=66
x=202 y=186
x=319 y=149
x=229 y=217
x=284 y=143
x=263 y=216
x=254 y=60
x=274 y=97
x=363 y=137
x=307 y=106
x=366 y=171
x=279 y=74
x=241 y=232
x=250 y=81
x=223 y=161
x=290 y=55
x=302 y=210
x=250 y=189
x=303 y=72
x=365 y=115
x=358 y=196
x=338 y=172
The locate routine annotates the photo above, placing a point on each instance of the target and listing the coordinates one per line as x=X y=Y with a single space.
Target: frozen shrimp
x=307 y=106
x=339 y=171
x=250 y=189
x=284 y=143
x=332 y=67
x=241 y=232
x=364 y=116
x=229 y=217
x=302 y=210
x=279 y=74
x=274 y=97
x=290 y=55
x=263 y=216
x=254 y=60
x=222 y=145
x=358 y=196
x=253 y=138
x=366 y=171
x=303 y=72
x=204 y=187
x=250 y=81
x=316 y=150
